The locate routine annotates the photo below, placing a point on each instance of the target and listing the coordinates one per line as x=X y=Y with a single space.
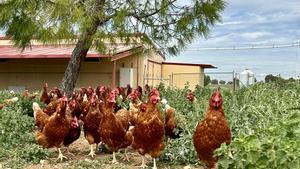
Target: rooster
x=113 y=128
x=212 y=131
x=56 y=128
x=149 y=129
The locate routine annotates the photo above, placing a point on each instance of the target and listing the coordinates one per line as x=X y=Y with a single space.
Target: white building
x=246 y=78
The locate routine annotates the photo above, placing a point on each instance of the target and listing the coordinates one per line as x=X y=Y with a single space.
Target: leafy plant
x=264 y=120
x=17 y=142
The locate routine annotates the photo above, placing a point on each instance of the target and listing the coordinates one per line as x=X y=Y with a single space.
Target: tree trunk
x=80 y=51
x=72 y=71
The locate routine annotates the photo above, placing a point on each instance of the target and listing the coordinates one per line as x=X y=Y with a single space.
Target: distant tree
x=291 y=79
x=230 y=83
x=168 y=24
x=222 y=82
x=271 y=78
x=214 y=81
x=207 y=80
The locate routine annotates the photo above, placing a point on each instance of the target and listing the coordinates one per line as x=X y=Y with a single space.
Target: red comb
x=65 y=98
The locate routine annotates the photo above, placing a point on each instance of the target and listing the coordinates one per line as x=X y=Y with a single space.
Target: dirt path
x=81 y=148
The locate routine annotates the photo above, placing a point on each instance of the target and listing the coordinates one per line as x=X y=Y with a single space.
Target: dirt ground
x=81 y=148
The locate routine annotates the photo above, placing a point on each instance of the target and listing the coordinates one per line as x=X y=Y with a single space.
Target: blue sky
x=255 y=22
x=247 y=23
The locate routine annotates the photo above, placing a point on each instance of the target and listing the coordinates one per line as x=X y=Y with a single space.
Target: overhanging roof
x=61 y=51
x=189 y=64
x=118 y=51
x=42 y=52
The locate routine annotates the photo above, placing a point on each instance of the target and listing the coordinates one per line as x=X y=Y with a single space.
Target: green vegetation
x=207 y=80
x=17 y=143
x=264 y=119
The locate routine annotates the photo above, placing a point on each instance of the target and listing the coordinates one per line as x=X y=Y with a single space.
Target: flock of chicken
x=141 y=126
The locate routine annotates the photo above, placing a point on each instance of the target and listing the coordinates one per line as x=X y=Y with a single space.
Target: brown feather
x=149 y=132
x=210 y=134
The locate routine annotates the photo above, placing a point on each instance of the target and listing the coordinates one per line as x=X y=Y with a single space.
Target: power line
x=251 y=47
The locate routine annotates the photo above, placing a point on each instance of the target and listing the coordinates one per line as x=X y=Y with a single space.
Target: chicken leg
x=68 y=151
x=154 y=164
x=60 y=155
x=92 y=152
x=143 y=163
x=125 y=155
x=114 y=161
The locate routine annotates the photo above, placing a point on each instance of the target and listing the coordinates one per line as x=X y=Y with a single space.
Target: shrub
x=17 y=142
x=222 y=82
x=207 y=80
x=214 y=81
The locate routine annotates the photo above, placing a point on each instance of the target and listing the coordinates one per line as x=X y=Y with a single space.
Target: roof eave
x=205 y=66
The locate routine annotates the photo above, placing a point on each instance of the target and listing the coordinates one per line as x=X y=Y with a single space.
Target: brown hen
x=40 y=117
x=56 y=129
x=149 y=129
x=212 y=131
x=113 y=128
x=91 y=124
x=45 y=97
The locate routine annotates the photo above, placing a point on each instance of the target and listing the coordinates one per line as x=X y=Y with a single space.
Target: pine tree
x=168 y=24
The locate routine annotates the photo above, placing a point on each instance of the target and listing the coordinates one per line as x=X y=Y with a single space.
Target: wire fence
x=229 y=79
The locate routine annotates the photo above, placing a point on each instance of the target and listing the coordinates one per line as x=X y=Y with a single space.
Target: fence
x=179 y=80
x=156 y=81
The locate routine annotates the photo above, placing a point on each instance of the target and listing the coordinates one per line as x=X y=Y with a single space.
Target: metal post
x=233 y=80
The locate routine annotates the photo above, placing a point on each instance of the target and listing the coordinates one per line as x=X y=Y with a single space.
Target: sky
x=246 y=23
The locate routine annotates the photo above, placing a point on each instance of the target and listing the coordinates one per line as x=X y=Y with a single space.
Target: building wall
x=154 y=73
x=130 y=62
x=153 y=68
x=33 y=73
x=183 y=74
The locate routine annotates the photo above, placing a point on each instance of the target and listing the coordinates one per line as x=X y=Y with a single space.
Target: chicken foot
x=69 y=152
x=125 y=155
x=143 y=163
x=92 y=152
x=114 y=161
x=60 y=155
